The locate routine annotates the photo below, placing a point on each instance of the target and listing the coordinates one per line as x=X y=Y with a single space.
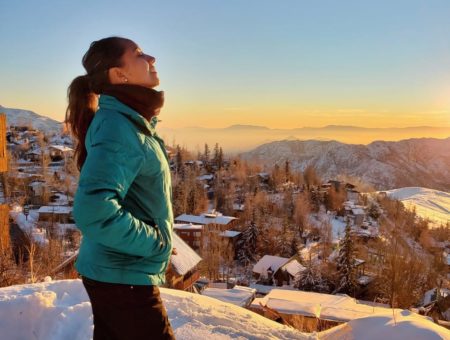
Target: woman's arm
x=112 y=164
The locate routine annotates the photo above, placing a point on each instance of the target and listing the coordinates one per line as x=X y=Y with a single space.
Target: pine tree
x=247 y=244
x=346 y=265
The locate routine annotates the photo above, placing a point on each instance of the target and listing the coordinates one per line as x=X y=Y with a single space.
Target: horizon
x=376 y=65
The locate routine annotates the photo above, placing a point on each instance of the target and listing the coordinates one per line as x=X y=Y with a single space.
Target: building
x=55 y=214
x=277 y=270
x=192 y=234
x=309 y=311
x=225 y=222
x=183 y=269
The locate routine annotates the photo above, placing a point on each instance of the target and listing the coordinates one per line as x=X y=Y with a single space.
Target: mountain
x=429 y=203
x=55 y=310
x=25 y=117
x=241 y=138
x=423 y=162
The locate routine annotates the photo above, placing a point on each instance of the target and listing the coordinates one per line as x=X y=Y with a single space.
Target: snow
x=189 y=226
x=269 y=261
x=430 y=295
x=186 y=258
x=205 y=219
x=429 y=203
x=55 y=209
x=230 y=233
x=294 y=268
x=324 y=306
x=207 y=177
x=397 y=324
x=239 y=295
x=61 y=148
x=58 y=310
x=28 y=224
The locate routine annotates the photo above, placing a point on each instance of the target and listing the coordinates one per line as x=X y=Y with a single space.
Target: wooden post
x=3 y=158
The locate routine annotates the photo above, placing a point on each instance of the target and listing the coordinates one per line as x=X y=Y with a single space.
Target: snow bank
x=61 y=310
x=406 y=325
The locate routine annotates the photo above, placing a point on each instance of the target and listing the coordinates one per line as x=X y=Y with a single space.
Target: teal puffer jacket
x=123 y=203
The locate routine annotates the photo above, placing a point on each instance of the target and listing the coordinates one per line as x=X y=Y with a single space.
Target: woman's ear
x=116 y=75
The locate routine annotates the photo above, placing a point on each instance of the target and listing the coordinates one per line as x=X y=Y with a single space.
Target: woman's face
x=137 y=69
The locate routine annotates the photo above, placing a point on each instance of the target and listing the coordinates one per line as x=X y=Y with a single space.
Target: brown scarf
x=142 y=99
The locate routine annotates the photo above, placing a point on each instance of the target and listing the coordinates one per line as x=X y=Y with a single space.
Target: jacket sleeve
x=112 y=164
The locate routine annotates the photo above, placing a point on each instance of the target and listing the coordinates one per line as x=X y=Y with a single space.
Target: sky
x=281 y=64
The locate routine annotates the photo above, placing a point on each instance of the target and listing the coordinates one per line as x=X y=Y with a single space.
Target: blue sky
x=279 y=64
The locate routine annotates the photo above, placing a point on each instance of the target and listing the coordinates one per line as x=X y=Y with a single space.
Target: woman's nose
x=150 y=59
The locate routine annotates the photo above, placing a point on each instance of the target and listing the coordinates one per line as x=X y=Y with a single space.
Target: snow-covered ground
x=61 y=310
x=429 y=203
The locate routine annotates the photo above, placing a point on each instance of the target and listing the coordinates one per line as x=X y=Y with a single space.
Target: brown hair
x=82 y=92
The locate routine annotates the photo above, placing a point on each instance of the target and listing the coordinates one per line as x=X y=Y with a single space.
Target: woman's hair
x=82 y=92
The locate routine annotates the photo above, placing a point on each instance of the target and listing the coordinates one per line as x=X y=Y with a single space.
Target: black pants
x=126 y=312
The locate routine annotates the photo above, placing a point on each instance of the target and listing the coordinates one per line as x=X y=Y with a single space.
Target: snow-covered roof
x=275 y=263
x=294 y=267
x=205 y=219
x=430 y=295
x=230 y=233
x=239 y=295
x=357 y=211
x=265 y=289
x=188 y=226
x=186 y=258
x=55 y=209
x=206 y=177
x=340 y=308
x=61 y=148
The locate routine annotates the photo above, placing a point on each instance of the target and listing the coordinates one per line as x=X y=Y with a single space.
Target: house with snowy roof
x=310 y=311
x=225 y=222
x=192 y=234
x=277 y=270
x=183 y=268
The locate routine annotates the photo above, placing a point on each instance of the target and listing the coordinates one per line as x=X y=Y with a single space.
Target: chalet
x=308 y=311
x=55 y=214
x=274 y=269
x=183 y=269
x=190 y=233
x=59 y=152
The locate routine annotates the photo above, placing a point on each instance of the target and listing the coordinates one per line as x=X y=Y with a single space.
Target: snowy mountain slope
x=429 y=203
x=421 y=162
x=24 y=117
x=61 y=310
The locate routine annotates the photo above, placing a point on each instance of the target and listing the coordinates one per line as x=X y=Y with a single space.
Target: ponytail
x=79 y=114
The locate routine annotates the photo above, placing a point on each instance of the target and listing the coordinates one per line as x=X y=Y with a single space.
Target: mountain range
x=420 y=162
x=25 y=117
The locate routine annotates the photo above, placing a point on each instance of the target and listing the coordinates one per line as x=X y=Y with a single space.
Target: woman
x=123 y=202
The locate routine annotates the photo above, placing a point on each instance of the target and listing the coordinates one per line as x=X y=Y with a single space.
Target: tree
x=310 y=176
x=247 y=244
x=346 y=265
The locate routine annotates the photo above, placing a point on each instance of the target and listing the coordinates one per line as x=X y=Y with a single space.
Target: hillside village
x=285 y=244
